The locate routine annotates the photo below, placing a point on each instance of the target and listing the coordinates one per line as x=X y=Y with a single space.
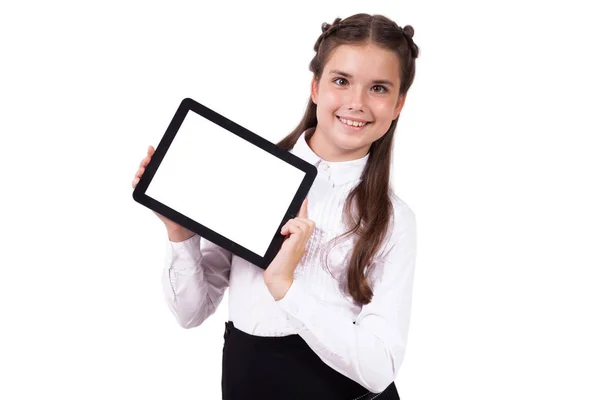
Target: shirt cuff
x=300 y=305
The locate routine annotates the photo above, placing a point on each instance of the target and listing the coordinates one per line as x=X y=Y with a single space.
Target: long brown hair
x=373 y=194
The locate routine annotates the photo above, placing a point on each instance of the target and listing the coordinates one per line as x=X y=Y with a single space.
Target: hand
x=280 y=273
x=175 y=230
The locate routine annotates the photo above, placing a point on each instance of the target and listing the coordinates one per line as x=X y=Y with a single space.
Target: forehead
x=364 y=62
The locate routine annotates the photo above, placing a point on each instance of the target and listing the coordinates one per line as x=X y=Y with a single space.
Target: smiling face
x=357 y=99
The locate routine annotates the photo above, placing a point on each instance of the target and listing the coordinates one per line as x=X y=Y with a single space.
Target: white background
x=496 y=153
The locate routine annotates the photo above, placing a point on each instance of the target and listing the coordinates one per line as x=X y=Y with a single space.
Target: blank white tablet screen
x=225 y=183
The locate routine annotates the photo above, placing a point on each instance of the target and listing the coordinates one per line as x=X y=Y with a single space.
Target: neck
x=329 y=152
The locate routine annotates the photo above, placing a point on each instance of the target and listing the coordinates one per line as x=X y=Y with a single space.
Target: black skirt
x=284 y=367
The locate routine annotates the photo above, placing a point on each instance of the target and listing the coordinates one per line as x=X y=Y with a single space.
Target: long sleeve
x=194 y=279
x=370 y=350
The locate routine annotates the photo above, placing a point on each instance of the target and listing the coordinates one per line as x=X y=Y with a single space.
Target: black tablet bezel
x=141 y=197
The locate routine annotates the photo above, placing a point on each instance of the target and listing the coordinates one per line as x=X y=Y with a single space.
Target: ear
x=314 y=89
x=399 y=106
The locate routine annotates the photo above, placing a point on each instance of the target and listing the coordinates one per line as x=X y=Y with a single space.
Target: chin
x=349 y=144
x=354 y=138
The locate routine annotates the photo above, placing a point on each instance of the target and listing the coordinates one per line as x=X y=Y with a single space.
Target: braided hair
x=328 y=29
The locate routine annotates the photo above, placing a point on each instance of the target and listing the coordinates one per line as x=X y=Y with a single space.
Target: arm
x=194 y=279
x=370 y=351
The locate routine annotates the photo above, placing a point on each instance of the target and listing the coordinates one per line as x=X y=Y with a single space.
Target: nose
x=356 y=99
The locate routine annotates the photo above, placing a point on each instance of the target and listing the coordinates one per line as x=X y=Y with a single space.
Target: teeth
x=352 y=123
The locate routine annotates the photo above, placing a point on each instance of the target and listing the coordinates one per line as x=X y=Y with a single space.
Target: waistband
x=294 y=341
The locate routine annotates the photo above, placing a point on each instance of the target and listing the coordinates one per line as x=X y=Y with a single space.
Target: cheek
x=327 y=107
x=332 y=100
x=384 y=109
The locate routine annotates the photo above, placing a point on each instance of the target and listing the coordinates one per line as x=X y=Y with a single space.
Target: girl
x=328 y=319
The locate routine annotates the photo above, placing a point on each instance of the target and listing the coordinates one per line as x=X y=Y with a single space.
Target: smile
x=352 y=123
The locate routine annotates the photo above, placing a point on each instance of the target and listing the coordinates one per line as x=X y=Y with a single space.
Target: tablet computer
x=211 y=175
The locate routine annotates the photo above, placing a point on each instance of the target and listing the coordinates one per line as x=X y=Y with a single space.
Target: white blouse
x=364 y=343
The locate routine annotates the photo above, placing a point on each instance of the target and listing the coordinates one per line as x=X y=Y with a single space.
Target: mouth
x=353 y=124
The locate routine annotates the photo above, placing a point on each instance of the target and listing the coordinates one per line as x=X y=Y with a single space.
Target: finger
x=286 y=227
x=140 y=172
x=145 y=162
x=135 y=182
x=291 y=227
x=303 y=213
x=150 y=150
x=309 y=223
x=303 y=223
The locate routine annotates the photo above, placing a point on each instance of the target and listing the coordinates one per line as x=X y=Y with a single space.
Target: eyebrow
x=347 y=75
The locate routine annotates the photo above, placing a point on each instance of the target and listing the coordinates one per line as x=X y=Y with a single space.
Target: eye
x=339 y=79
x=383 y=89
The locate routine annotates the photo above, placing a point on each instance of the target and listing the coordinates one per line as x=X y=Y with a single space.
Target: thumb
x=303 y=213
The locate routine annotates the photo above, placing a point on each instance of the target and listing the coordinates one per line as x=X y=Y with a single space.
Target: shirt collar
x=337 y=172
